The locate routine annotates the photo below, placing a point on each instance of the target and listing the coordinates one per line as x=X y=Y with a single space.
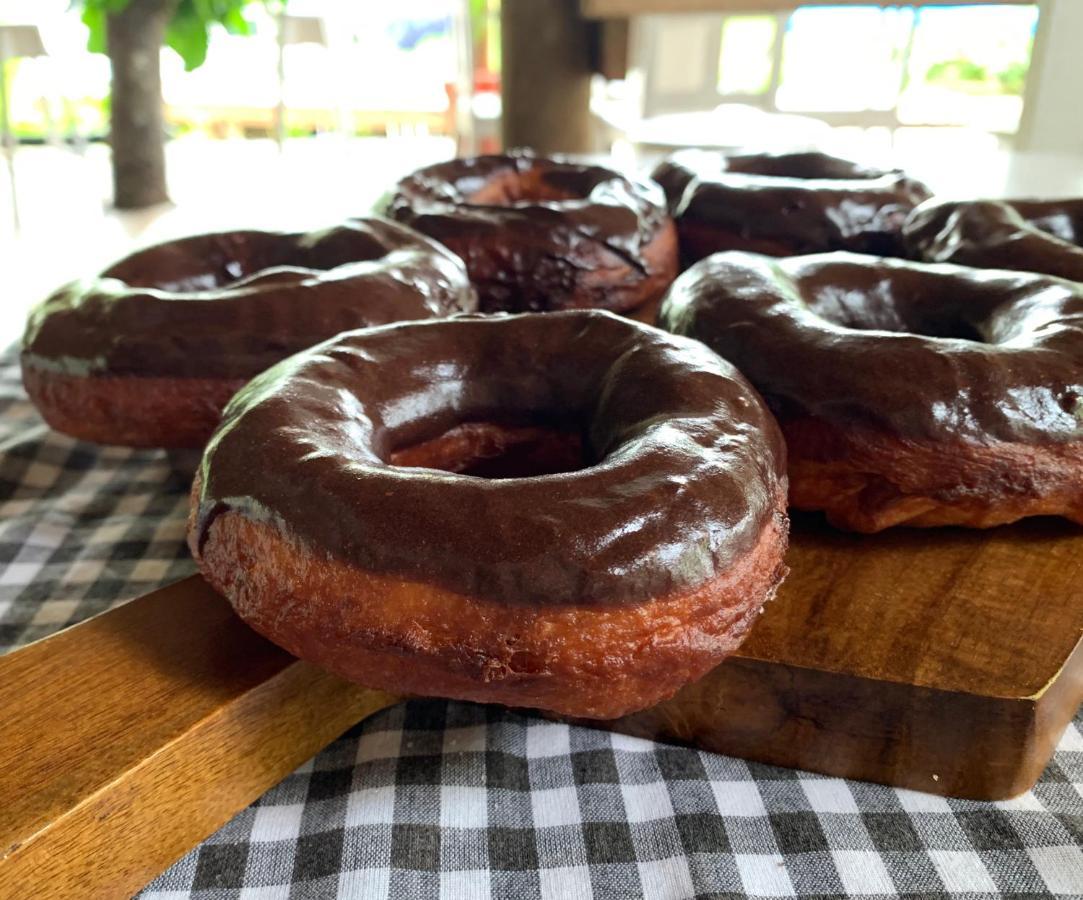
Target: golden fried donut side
x=411 y=637
x=867 y=480
x=132 y=412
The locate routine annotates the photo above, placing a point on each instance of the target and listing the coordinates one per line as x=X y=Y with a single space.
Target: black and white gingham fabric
x=452 y=800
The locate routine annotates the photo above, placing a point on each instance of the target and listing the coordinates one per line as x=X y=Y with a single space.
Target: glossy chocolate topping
x=1027 y=235
x=1061 y=218
x=787 y=203
x=925 y=352
x=532 y=230
x=685 y=464
x=229 y=305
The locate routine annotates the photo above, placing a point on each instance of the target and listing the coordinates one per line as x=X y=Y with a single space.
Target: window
x=745 y=58
x=849 y=58
x=873 y=66
x=969 y=73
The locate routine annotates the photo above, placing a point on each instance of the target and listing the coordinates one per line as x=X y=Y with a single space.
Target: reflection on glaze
x=228 y=305
x=920 y=351
x=688 y=464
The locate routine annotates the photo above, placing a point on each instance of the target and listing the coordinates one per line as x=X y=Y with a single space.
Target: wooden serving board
x=947 y=660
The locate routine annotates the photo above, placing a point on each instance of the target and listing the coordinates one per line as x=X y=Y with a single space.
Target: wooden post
x=546 y=73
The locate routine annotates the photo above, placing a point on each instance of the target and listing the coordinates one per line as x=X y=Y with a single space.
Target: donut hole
x=1072 y=403
x=879 y=310
x=232 y=274
x=498 y=450
x=513 y=187
x=243 y=258
x=222 y=263
x=799 y=166
x=951 y=328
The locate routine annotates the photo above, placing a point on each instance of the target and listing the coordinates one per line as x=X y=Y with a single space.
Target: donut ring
x=1024 y=235
x=148 y=353
x=545 y=234
x=784 y=204
x=909 y=394
x=593 y=591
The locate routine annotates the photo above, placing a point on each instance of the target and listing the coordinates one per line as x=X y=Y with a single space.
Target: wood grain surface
x=126 y=740
x=944 y=660
x=947 y=660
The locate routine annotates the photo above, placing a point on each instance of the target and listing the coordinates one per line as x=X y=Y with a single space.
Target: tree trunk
x=137 y=126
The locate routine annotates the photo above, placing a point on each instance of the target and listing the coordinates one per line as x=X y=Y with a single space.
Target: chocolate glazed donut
x=148 y=353
x=568 y=511
x=785 y=204
x=545 y=234
x=1028 y=235
x=909 y=394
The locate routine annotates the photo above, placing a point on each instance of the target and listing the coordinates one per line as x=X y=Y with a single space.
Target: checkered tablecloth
x=452 y=800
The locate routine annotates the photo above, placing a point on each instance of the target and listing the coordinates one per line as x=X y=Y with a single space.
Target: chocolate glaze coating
x=686 y=463
x=785 y=204
x=1061 y=218
x=540 y=234
x=935 y=353
x=1028 y=235
x=228 y=305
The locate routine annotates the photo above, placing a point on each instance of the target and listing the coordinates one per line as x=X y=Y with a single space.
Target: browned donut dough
x=784 y=204
x=148 y=353
x=1026 y=235
x=569 y=511
x=909 y=394
x=545 y=234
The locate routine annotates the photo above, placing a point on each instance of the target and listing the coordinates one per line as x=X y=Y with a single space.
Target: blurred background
x=128 y=121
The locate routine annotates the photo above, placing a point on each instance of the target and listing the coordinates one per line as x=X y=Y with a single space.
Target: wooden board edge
x=125 y=835
x=1022 y=694
x=847 y=726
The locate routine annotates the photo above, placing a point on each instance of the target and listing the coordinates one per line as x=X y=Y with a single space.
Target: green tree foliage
x=188 y=29
x=956 y=70
x=967 y=75
x=1014 y=77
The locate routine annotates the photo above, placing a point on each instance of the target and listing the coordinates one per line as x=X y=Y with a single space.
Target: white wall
x=1053 y=112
